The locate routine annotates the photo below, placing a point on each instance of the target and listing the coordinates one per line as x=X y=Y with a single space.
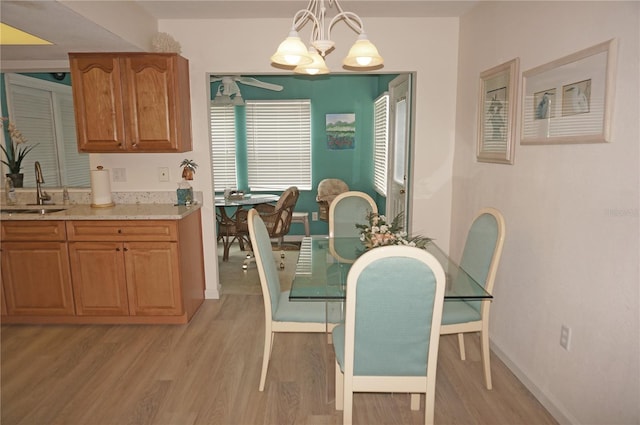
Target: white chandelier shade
x=291 y=51
x=316 y=67
x=294 y=54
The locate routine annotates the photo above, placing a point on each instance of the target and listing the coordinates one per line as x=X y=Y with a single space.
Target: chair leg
x=415 y=401
x=339 y=388
x=463 y=356
x=429 y=407
x=486 y=354
x=266 y=355
x=347 y=413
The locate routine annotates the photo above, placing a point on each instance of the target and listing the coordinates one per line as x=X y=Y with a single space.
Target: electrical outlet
x=163 y=174
x=314 y=216
x=565 y=337
x=119 y=174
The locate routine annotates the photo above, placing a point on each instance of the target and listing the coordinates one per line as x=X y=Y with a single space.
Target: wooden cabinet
x=99 y=281
x=142 y=268
x=36 y=279
x=102 y=271
x=131 y=102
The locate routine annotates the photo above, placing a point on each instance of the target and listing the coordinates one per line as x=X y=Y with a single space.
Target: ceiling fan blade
x=250 y=81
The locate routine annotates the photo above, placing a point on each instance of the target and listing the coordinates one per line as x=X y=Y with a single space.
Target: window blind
x=43 y=112
x=279 y=144
x=381 y=142
x=223 y=147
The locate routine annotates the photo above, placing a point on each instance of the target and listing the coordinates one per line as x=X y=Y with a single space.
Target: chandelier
x=292 y=53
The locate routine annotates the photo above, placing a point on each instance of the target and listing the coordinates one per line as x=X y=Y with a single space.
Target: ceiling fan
x=229 y=91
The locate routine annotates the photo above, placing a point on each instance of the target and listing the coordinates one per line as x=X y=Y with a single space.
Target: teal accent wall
x=331 y=94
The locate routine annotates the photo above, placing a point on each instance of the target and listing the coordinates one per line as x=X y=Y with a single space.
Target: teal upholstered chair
x=347 y=210
x=389 y=341
x=280 y=314
x=480 y=260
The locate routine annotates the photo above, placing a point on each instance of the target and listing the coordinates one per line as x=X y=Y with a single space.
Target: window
x=223 y=147
x=43 y=112
x=278 y=144
x=381 y=143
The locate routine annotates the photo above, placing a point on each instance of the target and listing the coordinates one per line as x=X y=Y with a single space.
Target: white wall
x=244 y=46
x=571 y=251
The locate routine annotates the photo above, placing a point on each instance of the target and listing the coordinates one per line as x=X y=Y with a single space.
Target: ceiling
x=70 y=31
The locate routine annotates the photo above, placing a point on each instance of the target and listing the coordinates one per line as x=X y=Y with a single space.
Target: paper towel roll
x=101 y=188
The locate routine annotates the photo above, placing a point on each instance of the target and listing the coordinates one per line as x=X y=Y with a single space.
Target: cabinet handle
x=119 y=230
x=117 y=249
x=126 y=249
x=135 y=146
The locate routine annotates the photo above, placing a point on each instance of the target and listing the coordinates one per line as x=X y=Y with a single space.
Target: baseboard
x=563 y=417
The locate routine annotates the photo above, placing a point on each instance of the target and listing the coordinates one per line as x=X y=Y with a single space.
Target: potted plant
x=14 y=152
x=188 y=169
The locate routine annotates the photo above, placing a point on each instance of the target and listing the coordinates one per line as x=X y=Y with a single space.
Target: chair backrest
x=269 y=278
x=483 y=249
x=347 y=210
x=283 y=212
x=394 y=306
x=328 y=189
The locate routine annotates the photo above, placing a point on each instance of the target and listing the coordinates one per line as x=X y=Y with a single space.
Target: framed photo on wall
x=570 y=100
x=496 y=113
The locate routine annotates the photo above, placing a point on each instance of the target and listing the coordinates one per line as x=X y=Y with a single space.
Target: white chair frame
x=273 y=326
x=340 y=197
x=347 y=383
x=482 y=325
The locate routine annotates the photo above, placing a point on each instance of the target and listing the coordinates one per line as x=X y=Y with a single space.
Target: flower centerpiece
x=379 y=232
x=15 y=151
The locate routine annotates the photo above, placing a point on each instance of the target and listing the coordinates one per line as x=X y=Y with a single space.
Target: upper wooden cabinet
x=131 y=102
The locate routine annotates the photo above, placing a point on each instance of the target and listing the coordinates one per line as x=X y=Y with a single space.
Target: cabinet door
x=153 y=278
x=36 y=278
x=97 y=102
x=99 y=283
x=150 y=102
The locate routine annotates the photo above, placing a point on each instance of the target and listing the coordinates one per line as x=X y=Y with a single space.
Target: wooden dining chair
x=277 y=218
x=280 y=314
x=480 y=259
x=347 y=210
x=389 y=340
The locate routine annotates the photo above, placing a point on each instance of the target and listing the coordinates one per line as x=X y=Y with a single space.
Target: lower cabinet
x=36 y=278
x=99 y=280
x=104 y=271
x=132 y=278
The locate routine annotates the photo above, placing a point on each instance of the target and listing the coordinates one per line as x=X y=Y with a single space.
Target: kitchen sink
x=31 y=210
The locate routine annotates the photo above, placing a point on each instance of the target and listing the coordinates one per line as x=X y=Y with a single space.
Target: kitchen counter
x=116 y=212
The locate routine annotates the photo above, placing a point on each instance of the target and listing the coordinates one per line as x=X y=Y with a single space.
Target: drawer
x=116 y=230
x=30 y=231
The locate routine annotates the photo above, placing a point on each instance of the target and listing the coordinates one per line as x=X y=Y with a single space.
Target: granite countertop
x=86 y=212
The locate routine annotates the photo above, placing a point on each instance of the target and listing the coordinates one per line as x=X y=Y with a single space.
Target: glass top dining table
x=324 y=263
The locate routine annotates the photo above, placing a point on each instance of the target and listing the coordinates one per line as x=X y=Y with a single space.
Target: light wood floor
x=207 y=372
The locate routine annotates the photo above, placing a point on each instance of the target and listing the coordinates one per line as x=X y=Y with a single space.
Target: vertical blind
x=223 y=147
x=381 y=142
x=279 y=144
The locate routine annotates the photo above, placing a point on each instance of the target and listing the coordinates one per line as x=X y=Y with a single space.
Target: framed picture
x=341 y=131
x=496 y=113
x=570 y=100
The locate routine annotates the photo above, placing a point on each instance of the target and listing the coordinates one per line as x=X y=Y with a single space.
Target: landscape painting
x=341 y=131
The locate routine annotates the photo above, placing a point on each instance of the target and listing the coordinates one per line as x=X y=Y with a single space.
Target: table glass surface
x=323 y=265
x=249 y=199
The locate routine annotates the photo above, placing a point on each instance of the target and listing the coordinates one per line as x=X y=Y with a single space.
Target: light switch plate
x=119 y=174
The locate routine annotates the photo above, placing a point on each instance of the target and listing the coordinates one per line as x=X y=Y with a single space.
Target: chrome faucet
x=41 y=195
